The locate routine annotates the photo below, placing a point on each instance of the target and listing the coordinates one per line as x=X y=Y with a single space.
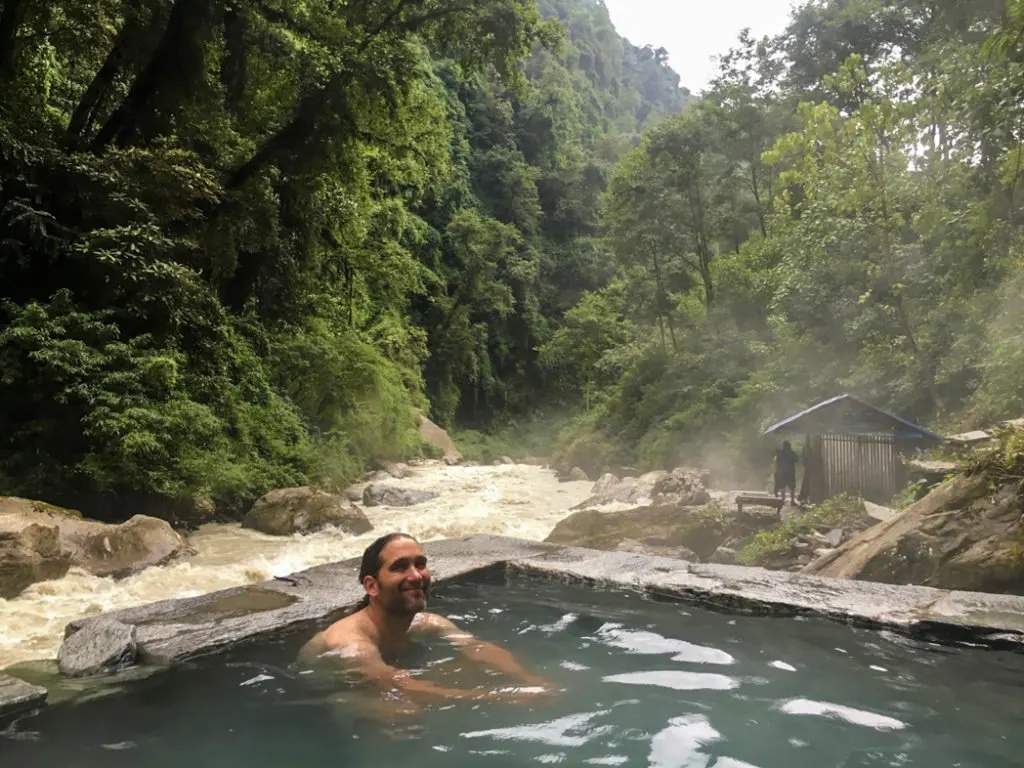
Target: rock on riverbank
x=687 y=532
x=287 y=511
x=39 y=542
x=967 y=534
x=17 y=696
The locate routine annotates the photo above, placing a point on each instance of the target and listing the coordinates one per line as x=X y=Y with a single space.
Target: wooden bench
x=760 y=501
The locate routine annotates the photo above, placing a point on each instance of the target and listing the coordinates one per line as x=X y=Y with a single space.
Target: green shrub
x=831 y=513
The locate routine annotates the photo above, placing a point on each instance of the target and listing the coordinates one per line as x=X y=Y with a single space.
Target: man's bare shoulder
x=347 y=636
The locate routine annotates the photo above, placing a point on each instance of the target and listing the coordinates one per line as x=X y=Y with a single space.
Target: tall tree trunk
x=234 y=68
x=12 y=16
x=662 y=300
x=295 y=134
x=704 y=252
x=925 y=366
x=755 y=188
x=102 y=83
x=172 y=63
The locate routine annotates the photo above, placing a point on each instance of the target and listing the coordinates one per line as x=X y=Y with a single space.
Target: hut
x=851 y=446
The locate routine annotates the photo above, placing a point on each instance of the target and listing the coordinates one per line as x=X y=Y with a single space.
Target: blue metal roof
x=866 y=422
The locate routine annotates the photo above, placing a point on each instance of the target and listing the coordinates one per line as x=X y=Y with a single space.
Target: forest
x=244 y=242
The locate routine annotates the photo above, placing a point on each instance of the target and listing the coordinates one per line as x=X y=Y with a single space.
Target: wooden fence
x=861 y=465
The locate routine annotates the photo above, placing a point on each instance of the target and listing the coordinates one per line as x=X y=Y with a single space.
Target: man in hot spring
x=365 y=645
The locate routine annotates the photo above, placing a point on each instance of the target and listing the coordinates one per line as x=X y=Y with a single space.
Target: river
x=514 y=500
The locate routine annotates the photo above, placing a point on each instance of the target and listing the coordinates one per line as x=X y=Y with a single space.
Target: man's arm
x=365 y=660
x=480 y=651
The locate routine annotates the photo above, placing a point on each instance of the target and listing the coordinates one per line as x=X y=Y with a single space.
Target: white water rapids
x=514 y=500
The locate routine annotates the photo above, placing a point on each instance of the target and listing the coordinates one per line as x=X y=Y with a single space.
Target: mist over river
x=513 y=500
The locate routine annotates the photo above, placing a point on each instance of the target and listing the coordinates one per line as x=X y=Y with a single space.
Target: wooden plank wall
x=861 y=465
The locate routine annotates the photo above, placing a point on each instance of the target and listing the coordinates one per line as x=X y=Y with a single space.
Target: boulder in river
x=700 y=530
x=967 y=534
x=576 y=475
x=381 y=495
x=437 y=437
x=103 y=647
x=287 y=511
x=680 y=487
x=629 y=490
x=28 y=554
x=39 y=542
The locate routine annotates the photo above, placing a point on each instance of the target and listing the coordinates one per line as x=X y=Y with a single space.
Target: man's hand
x=481 y=651
x=533 y=694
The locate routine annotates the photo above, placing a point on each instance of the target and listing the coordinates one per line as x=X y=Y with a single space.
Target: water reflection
x=682 y=745
x=838 y=711
x=569 y=731
x=645 y=642
x=676 y=679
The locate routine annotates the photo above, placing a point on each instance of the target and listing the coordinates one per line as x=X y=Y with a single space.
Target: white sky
x=692 y=31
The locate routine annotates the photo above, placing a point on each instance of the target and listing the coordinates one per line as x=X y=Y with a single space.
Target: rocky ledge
x=18 y=697
x=175 y=630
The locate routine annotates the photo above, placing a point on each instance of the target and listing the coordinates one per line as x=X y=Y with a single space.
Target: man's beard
x=403 y=604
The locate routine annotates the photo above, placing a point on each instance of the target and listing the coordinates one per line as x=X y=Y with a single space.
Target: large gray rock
x=39 y=542
x=698 y=530
x=122 y=550
x=102 y=647
x=29 y=554
x=629 y=490
x=966 y=534
x=604 y=483
x=17 y=696
x=390 y=470
x=657 y=550
x=380 y=495
x=304 y=510
x=681 y=487
x=437 y=437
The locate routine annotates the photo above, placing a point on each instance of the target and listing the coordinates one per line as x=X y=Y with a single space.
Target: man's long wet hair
x=371 y=561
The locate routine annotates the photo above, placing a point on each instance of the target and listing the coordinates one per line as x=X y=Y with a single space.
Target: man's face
x=403 y=583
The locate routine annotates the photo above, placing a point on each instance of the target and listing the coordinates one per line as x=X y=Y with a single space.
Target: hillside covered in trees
x=242 y=242
x=840 y=212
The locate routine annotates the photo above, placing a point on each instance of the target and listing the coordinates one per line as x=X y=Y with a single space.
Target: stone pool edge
x=172 y=631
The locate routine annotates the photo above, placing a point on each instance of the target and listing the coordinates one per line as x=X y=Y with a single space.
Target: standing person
x=785 y=471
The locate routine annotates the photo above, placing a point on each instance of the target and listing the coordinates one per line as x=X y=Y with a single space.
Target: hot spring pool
x=646 y=683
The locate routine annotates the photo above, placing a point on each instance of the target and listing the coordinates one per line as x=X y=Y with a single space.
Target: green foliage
x=531 y=437
x=912 y=493
x=126 y=418
x=1003 y=462
x=244 y=243
x=833 y=513
x=840 y=212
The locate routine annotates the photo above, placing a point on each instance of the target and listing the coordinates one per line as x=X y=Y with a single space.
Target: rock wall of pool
x=167 y=633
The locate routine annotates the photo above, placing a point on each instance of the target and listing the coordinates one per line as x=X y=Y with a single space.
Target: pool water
x=645 y=683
